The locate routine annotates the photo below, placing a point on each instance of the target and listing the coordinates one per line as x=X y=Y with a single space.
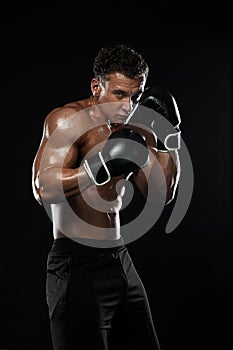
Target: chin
x=121 y=121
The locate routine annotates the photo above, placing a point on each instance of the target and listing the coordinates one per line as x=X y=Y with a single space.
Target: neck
x=97 y=112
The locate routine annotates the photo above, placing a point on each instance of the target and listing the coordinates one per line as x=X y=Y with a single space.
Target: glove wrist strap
x=176 y=137
x=90 y=173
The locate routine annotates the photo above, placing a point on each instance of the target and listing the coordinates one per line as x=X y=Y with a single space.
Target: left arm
x=159 y=112
x=170 y=165
x=160 y=177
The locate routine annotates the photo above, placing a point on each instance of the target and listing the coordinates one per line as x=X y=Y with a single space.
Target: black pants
x=96 y=299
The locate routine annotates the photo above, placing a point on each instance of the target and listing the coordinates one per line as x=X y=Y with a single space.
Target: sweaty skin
x=74 y=132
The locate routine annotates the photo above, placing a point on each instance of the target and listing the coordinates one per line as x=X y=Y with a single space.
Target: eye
x=119 y=94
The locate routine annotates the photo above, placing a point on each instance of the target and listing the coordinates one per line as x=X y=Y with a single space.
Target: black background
x=47 y=53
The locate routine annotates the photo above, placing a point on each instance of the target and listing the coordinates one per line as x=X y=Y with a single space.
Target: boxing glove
x=124 y=152
x=162 y=116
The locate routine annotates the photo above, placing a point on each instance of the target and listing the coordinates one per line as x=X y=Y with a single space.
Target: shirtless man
x=79 y=176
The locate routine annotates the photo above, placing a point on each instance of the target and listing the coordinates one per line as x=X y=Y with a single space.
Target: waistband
x=76 y=245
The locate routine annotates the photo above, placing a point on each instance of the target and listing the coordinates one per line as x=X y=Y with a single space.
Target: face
x=119 y=97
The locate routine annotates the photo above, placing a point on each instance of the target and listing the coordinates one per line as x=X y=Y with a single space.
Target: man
x=87 y=154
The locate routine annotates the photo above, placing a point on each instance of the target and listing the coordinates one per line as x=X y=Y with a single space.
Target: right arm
x=55 y=174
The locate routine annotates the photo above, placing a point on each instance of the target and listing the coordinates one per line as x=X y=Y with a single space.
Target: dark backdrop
x=47 y=52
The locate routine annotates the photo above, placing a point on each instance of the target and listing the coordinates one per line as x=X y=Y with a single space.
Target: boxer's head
x=120 y=75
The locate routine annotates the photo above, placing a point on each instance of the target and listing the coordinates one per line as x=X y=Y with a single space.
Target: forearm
x=55 y=185
x=170 y=164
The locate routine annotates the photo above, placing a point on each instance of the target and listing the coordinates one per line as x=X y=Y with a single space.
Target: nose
x=128 y=104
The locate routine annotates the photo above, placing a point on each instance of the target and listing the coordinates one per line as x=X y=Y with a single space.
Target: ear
x=95 y=87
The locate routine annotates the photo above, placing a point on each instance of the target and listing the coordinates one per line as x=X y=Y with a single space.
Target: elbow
x=49 y=195
x=36 y=191
x=46 y=192
x=171 y=191
x=37 y=197
x=170 y=197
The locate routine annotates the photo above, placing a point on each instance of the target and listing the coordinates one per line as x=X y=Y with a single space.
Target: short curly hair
x=119 y=58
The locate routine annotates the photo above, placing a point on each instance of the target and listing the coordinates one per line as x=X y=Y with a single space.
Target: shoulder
x=66 y=116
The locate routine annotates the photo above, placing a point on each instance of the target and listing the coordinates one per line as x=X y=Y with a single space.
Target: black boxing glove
x=124 y=152
x=163 y=117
